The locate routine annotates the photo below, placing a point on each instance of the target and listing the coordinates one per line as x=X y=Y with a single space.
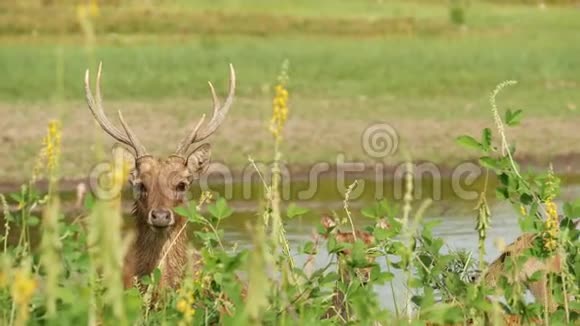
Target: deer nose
x=160 y=217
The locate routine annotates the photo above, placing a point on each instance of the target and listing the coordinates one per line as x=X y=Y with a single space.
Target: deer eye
x=182 y=186
x=139 y=189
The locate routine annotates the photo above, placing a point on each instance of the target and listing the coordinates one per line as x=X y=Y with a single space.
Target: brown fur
x=538 y=288
x=159 y=180
x=338 y=307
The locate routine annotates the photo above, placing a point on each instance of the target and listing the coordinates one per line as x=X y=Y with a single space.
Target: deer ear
x=198 y=160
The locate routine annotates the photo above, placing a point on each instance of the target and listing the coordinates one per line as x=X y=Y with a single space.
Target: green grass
x=535 y=47
x=395 y=67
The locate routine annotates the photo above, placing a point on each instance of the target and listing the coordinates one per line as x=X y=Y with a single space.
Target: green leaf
x=221 y=209
x=486 y=139
x=189 y=211
x=145 y=280
x=502 y=193
x=469 y=142
x=182 y=211
x=369 y=212
x=328 y=278
x=526 y=199
x=381 y=234
x=378 y=210
x=33 y=221
x=504 y=179
x=490 y=163
x=526 y=224
x=572 y=209
x=334 y=246
x=17 y=197
x=513 y=118
x=293 y=210
x=89 y=201
x=384 y=277
x=536 y=276
x=157 y=275
x=309 y=248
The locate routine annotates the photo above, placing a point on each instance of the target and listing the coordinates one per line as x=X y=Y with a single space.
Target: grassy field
x=400 y=62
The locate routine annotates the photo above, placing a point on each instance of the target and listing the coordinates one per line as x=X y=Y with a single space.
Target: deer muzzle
x=160 y=218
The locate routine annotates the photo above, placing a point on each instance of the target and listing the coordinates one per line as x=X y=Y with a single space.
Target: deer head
x=161 y=184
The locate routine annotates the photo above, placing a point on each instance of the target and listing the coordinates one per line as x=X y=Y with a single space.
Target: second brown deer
x=538 y=288
x=159 y=186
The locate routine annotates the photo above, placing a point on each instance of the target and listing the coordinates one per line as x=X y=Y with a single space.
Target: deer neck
x=166 y=250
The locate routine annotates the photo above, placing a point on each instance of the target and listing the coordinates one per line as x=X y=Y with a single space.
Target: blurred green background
x=425 y=67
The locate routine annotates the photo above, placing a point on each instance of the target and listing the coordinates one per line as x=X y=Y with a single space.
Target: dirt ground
x=308 y=139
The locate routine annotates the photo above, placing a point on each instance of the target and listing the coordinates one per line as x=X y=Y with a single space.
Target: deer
x=539 y=289
x=339 y=306
x=159 y=185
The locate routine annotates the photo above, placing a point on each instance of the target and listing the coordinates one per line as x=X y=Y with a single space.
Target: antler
x=96 y=108
x=219 y=114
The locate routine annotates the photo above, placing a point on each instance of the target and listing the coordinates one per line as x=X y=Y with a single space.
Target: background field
x=351 y=63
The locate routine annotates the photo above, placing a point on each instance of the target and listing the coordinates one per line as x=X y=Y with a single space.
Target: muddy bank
x=567 y=166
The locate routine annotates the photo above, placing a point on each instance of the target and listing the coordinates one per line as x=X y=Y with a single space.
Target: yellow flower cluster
x=88 y=10
x=204 y=198
x=185 y=305
x=552 y=227
x=280 y=104
x=121 y=169
x=50 y=151
x=280 y=111
x=23 y=288
x=52 y=144
x=551 y=185
x=523 y=210
x=552 y=220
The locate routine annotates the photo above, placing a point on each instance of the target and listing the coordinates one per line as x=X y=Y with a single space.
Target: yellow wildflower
x=523 y=210
x=204 y=198
x=93 y=8
x=23 y=288
x=182 y=305
x=552 y=226
x=52 y=143
x=551 y=185
x=185 y=305
x=49 y=153
x=552 y=221
x=280 y=103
